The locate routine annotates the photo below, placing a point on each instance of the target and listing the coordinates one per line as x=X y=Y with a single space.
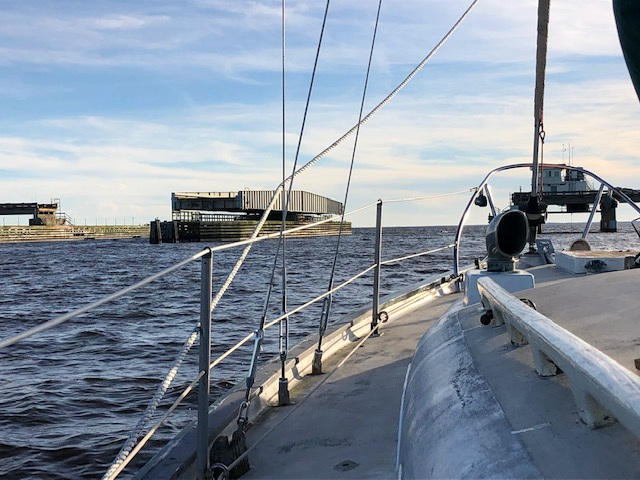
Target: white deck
x=348 y=428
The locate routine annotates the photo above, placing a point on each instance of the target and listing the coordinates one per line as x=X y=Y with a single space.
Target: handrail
x=243 y=341
x=112 y=473
x=602 y=388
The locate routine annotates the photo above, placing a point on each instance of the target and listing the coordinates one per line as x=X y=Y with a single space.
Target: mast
x=538 y=103
x=535 y=211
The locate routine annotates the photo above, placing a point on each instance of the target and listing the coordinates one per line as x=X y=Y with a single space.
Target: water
x=70 y=396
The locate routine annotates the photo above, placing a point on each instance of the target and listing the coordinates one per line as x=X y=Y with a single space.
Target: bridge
x=43 y=213
x=252 y=203
x=582 y=202
x=232 y=216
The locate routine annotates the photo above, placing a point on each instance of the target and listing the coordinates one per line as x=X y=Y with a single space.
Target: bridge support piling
x=608 y=221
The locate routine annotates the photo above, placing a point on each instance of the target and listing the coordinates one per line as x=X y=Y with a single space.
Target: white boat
x=454 y=377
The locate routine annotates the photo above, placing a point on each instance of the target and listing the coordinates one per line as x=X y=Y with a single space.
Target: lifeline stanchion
x=206 y=291
x=376 y=272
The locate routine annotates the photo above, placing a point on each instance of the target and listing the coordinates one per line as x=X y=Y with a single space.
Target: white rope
x=125 y=451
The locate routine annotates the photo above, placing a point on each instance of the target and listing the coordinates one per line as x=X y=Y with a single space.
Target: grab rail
x=602 y=388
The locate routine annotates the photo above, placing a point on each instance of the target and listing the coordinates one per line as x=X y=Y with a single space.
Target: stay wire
x=284 y=209
x=325 y=314
x=284 y=325
x=234 y=271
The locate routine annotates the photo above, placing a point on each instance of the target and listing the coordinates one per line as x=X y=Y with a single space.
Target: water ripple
x=71 y=395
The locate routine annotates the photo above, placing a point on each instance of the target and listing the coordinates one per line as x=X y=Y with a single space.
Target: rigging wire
x=284 y=325
x=326 y=309
x=324 y=152
x=242 y=419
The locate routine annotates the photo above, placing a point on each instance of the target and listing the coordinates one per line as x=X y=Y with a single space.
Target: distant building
x=558 y=179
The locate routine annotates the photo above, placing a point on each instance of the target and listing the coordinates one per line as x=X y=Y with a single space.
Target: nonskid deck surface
x=348 y=427
x=541 y=411
x=601 y=309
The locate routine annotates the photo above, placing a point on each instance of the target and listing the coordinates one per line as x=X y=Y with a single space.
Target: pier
x=232 y=216
x=49 y=224
x=43 y=233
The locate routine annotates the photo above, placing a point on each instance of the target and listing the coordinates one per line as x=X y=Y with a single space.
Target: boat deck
x=541 y=410
x=348 y=427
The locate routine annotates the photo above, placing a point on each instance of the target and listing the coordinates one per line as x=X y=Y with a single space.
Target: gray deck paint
x=352 y=419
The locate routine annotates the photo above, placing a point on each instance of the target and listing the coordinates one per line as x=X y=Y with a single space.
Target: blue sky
x=112 y=105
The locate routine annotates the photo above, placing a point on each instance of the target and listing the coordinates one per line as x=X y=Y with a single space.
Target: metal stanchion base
x=283 y=392
x=316 y=368
x=376 y=330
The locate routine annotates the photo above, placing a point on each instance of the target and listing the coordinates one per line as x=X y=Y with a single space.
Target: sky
x=110 y=105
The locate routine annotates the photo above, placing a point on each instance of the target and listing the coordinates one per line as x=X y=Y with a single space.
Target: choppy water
x=70 y=396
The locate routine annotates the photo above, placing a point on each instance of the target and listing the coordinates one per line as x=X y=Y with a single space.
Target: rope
x=125 y=451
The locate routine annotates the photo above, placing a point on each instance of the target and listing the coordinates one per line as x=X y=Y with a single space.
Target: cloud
x=111 y=107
